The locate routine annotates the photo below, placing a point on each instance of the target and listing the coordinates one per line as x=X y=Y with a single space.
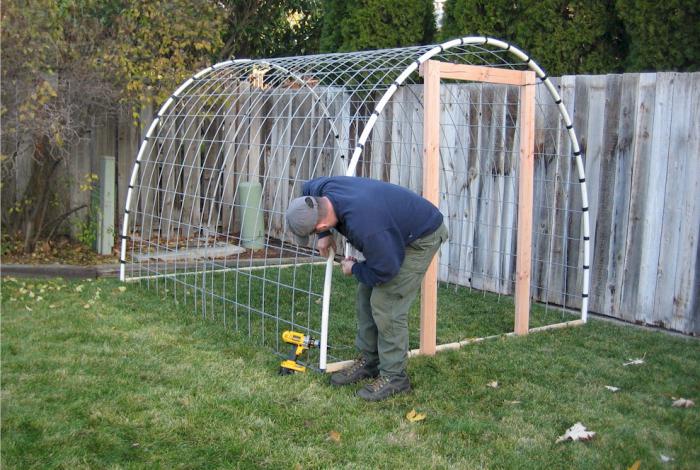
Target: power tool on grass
x=300 y=343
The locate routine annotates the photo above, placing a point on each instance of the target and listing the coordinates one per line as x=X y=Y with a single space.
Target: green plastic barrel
x=249 y=208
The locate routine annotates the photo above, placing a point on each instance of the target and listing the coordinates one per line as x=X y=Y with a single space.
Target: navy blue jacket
x=377 y=218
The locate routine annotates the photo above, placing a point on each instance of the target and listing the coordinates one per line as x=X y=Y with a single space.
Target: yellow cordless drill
x=300 y=343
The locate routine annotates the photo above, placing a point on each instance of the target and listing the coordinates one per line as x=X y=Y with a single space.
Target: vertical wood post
x=525 y=201
x=431 y=187
x=104 y=241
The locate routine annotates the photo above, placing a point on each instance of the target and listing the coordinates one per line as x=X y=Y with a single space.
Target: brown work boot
x=384 y=387
x=359 y=370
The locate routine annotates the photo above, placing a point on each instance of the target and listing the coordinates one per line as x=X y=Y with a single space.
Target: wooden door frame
x=432 y=72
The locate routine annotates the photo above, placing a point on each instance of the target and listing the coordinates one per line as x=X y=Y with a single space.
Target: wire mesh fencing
x=236 y=142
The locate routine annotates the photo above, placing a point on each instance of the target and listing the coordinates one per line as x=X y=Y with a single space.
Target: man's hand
x=324 y=245
x=347 y=265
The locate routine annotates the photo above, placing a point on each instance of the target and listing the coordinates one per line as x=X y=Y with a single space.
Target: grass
x=97 y=377
x=261 y=304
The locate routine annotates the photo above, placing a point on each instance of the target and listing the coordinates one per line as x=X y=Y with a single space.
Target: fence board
x=453 y=172
x=546 y=168
x=619 y=105
x=686 y=144
x=669 y=255
x=279 y=164
x=641 y=194
x=127 y=147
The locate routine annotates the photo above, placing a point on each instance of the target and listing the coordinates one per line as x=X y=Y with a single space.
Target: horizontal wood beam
x=478 y=73
x=336 y=366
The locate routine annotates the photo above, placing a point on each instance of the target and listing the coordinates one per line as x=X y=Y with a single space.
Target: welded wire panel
x=234 y=145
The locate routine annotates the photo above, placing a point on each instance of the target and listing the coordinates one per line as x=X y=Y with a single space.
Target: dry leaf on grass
x=413 y=417
x=612 y=389
x=577 y=432
x=334 y=436
x=634 y=362
x=493 y=384
x=635 y=466
x=683 y=403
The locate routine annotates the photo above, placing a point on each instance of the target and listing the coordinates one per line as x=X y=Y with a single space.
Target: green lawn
x=262 y=304
x=93 y=377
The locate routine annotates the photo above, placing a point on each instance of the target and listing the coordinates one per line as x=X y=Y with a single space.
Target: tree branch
x=57 y=221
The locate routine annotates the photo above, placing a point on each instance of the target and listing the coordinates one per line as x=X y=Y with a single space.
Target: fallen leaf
x=612 y=389
x=635 y=465
x=493 y=384
x=28 y=308
x=577 y=432
x=683 y=403
x=665 y=458
x=52 y=306
x=334 y=436
x=634 y=362
x=414 y=417
x=122 y=288
x=79 y=288
x=86 y=306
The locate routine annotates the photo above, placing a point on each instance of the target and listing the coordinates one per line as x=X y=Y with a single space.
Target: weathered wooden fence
x=639 y=134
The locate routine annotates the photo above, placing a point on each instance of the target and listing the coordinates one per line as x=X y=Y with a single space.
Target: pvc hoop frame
x=352 y=166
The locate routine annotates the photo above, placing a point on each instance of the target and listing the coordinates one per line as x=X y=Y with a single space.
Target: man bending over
x=398 y=232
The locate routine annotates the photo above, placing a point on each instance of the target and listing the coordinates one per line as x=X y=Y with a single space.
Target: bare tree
x=66 y=64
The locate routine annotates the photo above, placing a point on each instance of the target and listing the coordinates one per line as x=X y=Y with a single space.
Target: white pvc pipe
x=325 y=310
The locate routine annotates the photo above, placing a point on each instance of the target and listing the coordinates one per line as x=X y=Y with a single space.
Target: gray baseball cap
x=302 y=217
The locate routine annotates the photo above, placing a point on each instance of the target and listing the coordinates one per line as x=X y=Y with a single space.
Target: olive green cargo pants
x=382 y=311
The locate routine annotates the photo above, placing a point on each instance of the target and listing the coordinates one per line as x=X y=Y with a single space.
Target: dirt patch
x=61 y=251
